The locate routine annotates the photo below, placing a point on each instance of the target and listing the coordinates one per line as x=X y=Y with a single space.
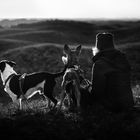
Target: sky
x=112 y=9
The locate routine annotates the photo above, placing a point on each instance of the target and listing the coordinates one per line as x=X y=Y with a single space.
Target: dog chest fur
x=11 y=94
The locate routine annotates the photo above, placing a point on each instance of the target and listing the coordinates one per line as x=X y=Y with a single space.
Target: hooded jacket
x=111 y=80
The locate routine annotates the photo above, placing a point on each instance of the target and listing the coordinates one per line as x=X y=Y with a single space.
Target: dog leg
x=63 y=94
x=51 y=98
x=69 y=98
x=77 y=95
x=49 y=103
x=46 y=100
x=48 y=91
x=20 y=104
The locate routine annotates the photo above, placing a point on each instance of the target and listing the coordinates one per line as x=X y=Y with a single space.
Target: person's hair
x=104 y=41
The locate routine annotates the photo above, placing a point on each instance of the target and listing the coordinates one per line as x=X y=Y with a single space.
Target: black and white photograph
x=70 y=69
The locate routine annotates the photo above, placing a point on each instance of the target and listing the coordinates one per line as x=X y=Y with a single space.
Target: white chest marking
x=11 y=94
x=6 y=73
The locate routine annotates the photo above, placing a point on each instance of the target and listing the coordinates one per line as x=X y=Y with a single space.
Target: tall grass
x=94 y=123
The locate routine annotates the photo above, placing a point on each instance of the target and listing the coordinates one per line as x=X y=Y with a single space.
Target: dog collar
x=8 y=79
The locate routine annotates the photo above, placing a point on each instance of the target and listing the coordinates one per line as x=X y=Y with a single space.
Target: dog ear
x=78 y=49
x=12 y=63
x=2 y=66
x=66 y=49
x=65 y=60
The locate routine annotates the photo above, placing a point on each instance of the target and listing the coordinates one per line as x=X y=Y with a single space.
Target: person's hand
x=89 y=89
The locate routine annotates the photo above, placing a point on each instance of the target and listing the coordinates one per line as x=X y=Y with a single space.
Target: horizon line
x=45 y=18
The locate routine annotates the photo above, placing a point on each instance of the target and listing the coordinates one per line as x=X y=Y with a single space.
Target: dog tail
x=60 y=73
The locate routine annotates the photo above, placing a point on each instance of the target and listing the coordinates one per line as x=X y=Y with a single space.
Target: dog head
x=5 y=63
x=71 y=55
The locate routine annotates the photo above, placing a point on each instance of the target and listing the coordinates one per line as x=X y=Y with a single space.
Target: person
x=111 y=85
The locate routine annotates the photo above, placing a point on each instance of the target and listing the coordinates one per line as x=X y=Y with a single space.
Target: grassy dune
x=83 y=32
x=39 y=47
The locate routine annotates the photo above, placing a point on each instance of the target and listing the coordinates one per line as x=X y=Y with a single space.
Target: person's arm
x=98 y=78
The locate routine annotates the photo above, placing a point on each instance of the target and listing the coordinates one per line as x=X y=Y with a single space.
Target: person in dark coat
x=110 y=75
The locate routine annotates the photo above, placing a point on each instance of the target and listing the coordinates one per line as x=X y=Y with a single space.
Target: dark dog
x=71 y=79
x=40 y=81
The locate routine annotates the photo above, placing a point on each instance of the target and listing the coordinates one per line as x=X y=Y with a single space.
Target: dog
x=71 y=79
x=33 y=82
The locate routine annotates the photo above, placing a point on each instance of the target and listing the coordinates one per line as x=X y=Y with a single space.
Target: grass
x=93 y=123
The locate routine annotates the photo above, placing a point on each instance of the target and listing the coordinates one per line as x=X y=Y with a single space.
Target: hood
x=116 y=58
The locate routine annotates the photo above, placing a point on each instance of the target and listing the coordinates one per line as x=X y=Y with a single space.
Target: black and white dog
x=33 y=82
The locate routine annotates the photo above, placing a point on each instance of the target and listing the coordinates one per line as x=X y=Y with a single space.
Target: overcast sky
x=70 y=9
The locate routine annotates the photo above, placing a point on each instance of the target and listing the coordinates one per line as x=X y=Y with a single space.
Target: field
x=39 y=47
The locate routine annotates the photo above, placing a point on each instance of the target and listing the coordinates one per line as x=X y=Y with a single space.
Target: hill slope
x=73 y=32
